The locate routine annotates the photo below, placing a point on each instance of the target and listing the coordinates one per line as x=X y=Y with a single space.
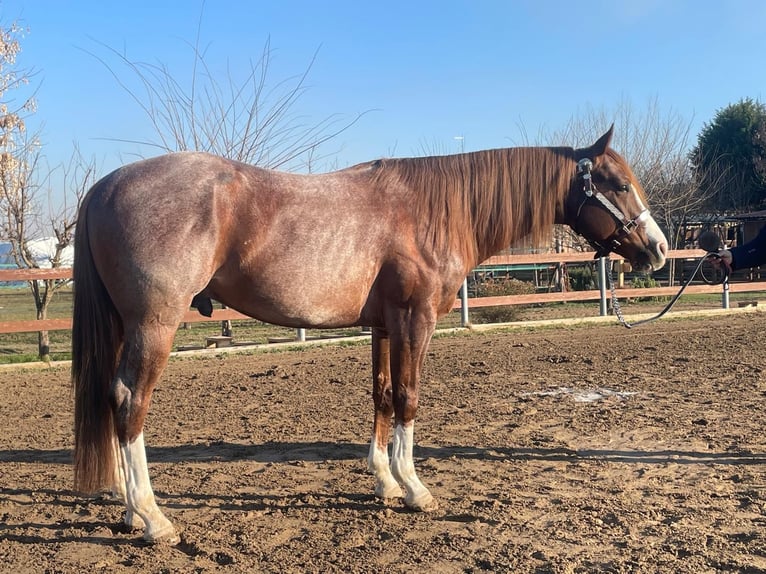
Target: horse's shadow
x=319 y=451
x=291 y=452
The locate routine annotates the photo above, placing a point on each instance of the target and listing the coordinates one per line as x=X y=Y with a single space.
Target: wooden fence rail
x=192 y=316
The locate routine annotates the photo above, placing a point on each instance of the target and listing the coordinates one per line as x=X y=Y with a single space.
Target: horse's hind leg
x=119 y=490
x=386 y=485
x=144 y=356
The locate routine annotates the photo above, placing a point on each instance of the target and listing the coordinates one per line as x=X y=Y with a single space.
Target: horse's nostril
x=663 y=247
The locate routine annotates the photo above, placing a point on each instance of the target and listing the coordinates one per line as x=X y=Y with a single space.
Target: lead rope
x=669 y=306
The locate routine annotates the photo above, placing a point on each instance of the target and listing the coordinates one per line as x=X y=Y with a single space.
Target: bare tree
x=24 y=222
x=243 y=117
x=18 y=152
x=41 y=238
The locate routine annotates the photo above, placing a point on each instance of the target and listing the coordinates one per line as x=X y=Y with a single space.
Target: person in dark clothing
x=750 y=254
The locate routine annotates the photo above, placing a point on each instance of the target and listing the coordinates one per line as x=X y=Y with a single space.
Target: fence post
x=464 y=322
x=602 y=286
x=725 y=294
x=226 y=326
x=300 y=335
x=620 y=263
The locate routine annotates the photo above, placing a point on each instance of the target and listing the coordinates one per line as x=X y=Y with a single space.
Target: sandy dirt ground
x=568 y=449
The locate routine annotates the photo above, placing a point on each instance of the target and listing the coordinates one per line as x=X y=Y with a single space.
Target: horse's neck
x=523 y=205
x=491 y=236
x=477 y=204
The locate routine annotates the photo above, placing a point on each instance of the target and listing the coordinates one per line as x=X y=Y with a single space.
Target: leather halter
x=626 y=226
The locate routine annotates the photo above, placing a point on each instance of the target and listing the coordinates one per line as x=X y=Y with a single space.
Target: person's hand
x=723 y=260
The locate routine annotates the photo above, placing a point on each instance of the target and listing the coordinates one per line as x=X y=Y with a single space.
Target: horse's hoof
x=133 y=521
x=423 y=503
x=166 y=535
x=390 y=492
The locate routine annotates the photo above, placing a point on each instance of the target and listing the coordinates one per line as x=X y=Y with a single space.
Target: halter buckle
x=584 y=166
x=583 y=169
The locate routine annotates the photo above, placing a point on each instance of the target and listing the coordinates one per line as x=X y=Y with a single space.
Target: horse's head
x=607 y=206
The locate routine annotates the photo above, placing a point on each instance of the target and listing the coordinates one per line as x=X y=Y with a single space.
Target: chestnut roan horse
x=384 y=244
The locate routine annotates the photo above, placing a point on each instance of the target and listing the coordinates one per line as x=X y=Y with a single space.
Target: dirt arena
x=567 y=449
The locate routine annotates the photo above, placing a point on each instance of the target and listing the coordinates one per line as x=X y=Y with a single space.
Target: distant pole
x=464 y=322
x=226 y=330
x=301 y=335
x=725 y=294
x=602 y=286
x=559 y=273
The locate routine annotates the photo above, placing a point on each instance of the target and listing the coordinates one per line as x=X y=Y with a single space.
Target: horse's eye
x=624 y=187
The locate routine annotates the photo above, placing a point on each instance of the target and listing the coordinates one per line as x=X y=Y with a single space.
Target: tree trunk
x=43 y=339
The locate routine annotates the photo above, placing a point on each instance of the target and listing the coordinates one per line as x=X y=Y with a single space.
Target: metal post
x=725 y=294
x=559 y=273
x=464 y=322
x=602 y=286
x=226 y=326
x=301 y=335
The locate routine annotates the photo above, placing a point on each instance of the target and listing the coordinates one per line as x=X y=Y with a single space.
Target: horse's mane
x=483 y=201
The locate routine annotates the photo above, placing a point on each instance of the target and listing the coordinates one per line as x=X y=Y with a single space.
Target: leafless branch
x=248 y=119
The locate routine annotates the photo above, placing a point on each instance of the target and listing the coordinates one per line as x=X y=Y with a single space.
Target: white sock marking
x=139 y=496
x=377 y=462
x=403 y=468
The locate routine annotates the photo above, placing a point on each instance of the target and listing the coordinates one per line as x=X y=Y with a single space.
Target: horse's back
x=163 y=191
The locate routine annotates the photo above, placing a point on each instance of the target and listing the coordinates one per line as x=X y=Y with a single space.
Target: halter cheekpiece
x=626 y=226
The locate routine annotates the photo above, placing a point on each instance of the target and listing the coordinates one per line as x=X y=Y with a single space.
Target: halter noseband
x=626 y=226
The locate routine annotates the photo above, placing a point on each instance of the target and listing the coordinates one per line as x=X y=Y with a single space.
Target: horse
x=384 y=244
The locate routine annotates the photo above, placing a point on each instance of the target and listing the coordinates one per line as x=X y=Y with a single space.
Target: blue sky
x=426 y=71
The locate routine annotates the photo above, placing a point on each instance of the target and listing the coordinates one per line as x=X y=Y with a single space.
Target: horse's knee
x=127 y=418
x=405 y=405
x=120 y=396
x=383 y=395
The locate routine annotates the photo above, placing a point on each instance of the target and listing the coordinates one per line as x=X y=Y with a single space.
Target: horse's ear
x=599 y=148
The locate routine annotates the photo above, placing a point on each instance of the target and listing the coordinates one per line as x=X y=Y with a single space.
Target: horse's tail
x=96 y=345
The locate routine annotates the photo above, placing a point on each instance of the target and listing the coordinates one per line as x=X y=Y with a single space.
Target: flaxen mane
x=502 y=195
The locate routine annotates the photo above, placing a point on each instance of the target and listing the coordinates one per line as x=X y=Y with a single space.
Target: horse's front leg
x=408 y=351
x=377 y=461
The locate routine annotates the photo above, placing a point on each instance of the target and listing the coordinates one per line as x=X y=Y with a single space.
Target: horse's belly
x=321 y=304
x=302 y=296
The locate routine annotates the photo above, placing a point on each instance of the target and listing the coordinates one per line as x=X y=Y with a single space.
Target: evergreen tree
x=729 y=157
